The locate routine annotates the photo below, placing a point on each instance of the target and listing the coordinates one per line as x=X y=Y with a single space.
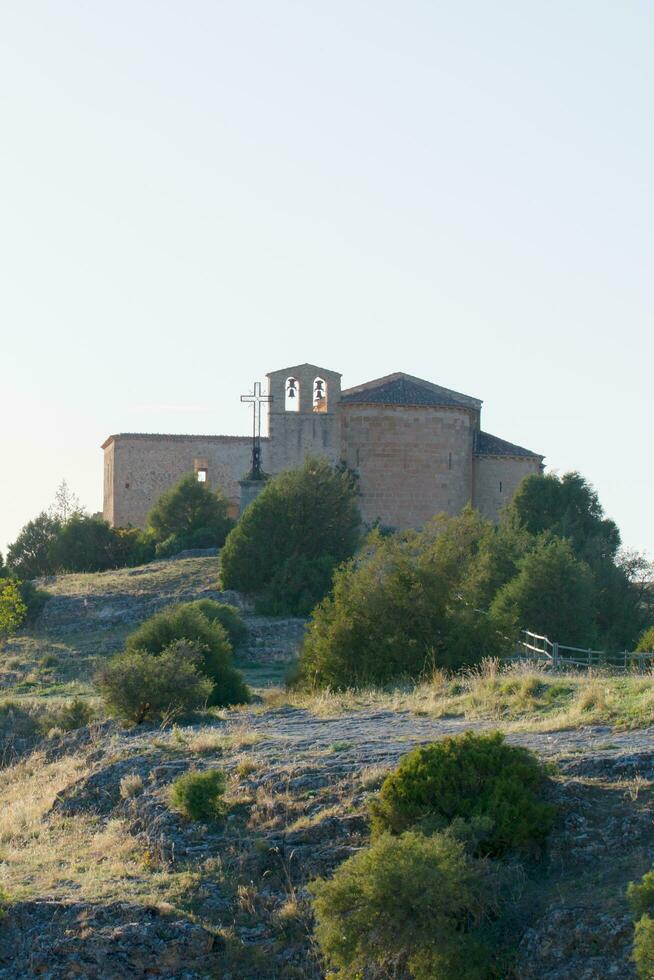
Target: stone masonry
x=417 y=448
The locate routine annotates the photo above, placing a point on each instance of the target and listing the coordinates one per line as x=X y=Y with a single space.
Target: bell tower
x=303 y=418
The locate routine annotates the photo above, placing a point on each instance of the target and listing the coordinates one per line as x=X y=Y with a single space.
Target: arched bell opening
x=319 y=395
x=292 y=395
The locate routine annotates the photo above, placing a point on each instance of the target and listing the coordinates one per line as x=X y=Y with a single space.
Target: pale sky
x=195 y=193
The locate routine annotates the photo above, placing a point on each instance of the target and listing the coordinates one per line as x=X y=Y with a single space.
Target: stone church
x=418 y=449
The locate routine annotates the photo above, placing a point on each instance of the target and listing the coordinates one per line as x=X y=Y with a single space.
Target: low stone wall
x=272 y=640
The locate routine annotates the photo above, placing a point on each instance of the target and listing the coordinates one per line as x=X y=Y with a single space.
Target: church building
x=418 y=449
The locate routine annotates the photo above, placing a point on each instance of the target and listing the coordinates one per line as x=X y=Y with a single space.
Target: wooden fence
x=533 y=647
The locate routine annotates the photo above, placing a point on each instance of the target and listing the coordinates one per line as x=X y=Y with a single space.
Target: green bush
x=228 y=616
x=646 y=641
x=186 y=621
x=410 y=903
x=141 y=686
x=469 y=778
x=199 y=795
x=308 y=516
x=644 y=947
x=34 y=599
x=397 y=610
x=12 y=608
x=641 y=898
x=641 y=894
x=189 y=515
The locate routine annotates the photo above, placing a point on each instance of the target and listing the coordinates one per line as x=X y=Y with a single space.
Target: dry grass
x=49 y=854
x=181 y=576
x=517 y=696
x=209 y=741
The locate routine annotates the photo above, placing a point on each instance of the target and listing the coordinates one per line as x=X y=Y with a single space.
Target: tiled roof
x=488 y=445
x=400 y=391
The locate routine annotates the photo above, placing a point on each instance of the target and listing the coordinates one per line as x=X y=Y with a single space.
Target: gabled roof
x=297 y=368
x=404 y=389
x=488 y=445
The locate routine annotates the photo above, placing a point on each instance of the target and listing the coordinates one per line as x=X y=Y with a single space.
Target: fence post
x=555 y=655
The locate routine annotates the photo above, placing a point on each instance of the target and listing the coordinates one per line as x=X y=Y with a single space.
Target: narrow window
x=319 y=395
x=500 y=486
x=202 y=475
x=292 y=389
x=449 y=462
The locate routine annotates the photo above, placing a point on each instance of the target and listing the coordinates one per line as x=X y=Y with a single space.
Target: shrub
x=228 y=616
x=189 y=515
x=131 y=785
x=12 y=608
x=139 y=686
x=644 y=947
x=411 y=903
x=72 y=715
x=186 y=621
x=646 y=641
x=641 y=894
x=469 y=778
x=34 y=599
x=641 y=899
x=396 y=609
x=304 y=515
x=19 y=720
x=199 y=795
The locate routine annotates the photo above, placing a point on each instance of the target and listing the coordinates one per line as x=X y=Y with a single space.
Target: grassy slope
x=57 y=659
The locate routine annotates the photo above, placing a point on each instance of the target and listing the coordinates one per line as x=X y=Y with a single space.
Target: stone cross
x=256 y=400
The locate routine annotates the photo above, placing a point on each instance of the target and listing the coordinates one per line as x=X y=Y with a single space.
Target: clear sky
x=194 y=193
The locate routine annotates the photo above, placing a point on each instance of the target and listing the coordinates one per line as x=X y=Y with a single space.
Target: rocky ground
x=104 y=880
x=298 y=791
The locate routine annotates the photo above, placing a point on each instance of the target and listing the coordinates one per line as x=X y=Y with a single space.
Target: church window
x=319 y=395
x=292 y=389
x=202 y=475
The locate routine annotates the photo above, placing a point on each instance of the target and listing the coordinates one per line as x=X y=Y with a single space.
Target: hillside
x=89 y=616
x=104 y=879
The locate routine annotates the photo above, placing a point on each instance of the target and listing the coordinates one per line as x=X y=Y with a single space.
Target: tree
x=66 y=503
x=567 y=507
x=12 y=608
x=189 y=515
x=307 y=515
x=30 y=556
x=552 y=594
x=85 y=544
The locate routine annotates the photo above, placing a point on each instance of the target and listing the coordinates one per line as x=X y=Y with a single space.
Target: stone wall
x=139 y=468
x=413 y=462
x=496 y=479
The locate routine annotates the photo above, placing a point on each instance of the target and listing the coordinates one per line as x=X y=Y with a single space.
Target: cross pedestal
x=252 y=484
